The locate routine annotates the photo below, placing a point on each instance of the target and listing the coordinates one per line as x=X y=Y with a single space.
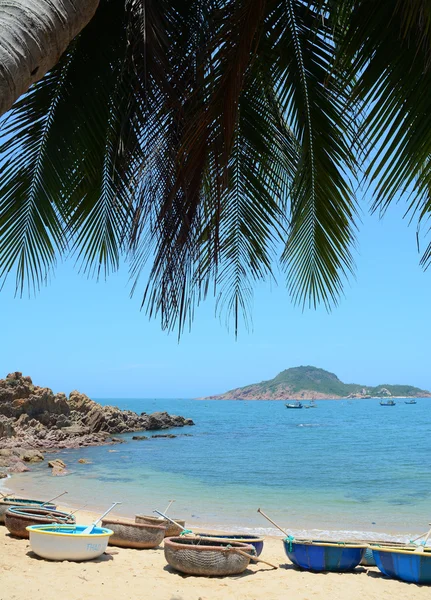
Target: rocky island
x=33 y=418
x=311 y=383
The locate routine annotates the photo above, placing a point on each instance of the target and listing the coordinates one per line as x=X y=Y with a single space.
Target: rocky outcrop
x=34 y=418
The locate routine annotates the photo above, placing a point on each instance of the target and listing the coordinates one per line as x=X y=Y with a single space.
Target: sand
x=123 y=574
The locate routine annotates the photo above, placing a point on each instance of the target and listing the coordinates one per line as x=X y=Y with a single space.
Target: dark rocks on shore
x=140 y=437
x=33 y=418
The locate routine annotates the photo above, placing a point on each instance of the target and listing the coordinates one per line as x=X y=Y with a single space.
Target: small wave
x=321 y=534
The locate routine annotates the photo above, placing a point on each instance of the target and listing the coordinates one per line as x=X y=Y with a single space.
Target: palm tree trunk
x=33 y=36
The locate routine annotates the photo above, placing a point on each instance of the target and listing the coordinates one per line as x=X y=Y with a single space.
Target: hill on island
x=303 y=383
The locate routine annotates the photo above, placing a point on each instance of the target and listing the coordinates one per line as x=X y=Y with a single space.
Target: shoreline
x=221 y=525
x=121 y=574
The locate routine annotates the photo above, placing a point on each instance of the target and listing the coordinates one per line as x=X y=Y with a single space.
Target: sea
x=346 y=467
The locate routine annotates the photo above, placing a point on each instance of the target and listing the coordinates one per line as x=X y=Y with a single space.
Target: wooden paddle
x=421 y=548
x=165 y=516
x=55 y=498
x=90 y=527
x=271 y=521
x=169 y=505
x=255 y=558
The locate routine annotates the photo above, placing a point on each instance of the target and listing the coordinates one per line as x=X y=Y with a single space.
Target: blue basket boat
x=404 y=564
x=253 y=540
x=317 y=555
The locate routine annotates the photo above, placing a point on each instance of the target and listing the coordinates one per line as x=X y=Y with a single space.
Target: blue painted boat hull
x=315 y=557
x=413 y=567
x=253 y=540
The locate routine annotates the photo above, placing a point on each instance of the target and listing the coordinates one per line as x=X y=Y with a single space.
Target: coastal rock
x=32 y=456
x=3 y=475
x=6 y=427
x=59 y=472
x=18 y=467
x=83 y=461
x=140 y=437
x=56 y=464
x=33 y=418
x=166 y=435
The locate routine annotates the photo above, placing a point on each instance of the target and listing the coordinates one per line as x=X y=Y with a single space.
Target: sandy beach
x=122 y=574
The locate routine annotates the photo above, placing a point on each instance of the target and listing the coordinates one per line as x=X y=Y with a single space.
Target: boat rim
x=177 y=545
x=409 y=551
x=47 y=530
x=325 y=543
x=251 y=539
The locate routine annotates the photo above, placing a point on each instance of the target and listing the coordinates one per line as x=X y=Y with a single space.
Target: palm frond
x=323 y=211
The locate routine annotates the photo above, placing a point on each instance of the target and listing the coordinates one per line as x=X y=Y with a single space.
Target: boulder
x=18 y=467
x=140 y=437
x=32 y=456
x=56 y=464
x=59 y=472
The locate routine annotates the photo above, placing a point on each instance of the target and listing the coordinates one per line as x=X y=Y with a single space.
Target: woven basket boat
x=171 y=529
x=6 y=503
x=134 y=535
x=17 y=518
x=194 y=556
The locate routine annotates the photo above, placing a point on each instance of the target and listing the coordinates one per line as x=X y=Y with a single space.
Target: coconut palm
x=211 y=137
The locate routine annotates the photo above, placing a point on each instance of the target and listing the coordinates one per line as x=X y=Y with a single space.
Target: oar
x=255 y=558
x=169 y=505
x=55 y=498
x=90 y=528
x=417 y=538
x=271 y=521
x=421 y=548
x=169 y=519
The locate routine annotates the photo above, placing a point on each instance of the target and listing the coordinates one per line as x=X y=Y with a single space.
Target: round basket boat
x=18 y=518
x=134 y=535
x=316 y=555
x=253 y=540
x=68 y=542
x=6 y=503
x=194 y=556
x=368 y=559
x=404 y=563
x=171 y=529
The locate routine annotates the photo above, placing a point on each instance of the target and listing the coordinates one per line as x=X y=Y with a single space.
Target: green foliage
x=210 y=138
x=311 y=379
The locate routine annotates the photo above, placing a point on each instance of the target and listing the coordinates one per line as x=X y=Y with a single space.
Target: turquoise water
x=345 y=466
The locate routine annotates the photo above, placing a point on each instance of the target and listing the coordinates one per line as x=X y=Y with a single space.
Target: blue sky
x=87 y=335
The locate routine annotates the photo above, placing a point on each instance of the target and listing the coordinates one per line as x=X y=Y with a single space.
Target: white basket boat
x=68 y=542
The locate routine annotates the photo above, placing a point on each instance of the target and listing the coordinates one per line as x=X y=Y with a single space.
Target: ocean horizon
x=348 y=467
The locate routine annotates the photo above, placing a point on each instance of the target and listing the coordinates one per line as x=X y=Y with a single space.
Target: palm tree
x=213 y=136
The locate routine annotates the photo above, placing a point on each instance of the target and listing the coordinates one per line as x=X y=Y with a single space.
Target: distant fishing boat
x=311 y=404
x=294 y=405
x=413 y=401
x=387 y=403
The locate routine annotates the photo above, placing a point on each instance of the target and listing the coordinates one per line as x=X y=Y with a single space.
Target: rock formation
x=33 y=418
